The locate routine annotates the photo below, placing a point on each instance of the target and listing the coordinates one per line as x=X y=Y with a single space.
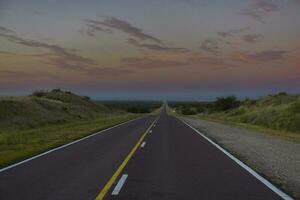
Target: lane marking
x=120 y=184
x=143 y=144
x=64 y=146
x=279 y=192
x=111 y=181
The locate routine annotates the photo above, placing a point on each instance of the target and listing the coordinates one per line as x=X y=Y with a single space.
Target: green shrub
x=226 y=103
x=188 y=111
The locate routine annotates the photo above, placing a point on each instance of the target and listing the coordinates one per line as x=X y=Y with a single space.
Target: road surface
x=142 y=159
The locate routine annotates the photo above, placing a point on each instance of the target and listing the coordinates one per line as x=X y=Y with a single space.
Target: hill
x=279 y=112
x=46 y=107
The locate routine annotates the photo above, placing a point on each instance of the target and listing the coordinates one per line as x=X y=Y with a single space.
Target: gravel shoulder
x=275 y=158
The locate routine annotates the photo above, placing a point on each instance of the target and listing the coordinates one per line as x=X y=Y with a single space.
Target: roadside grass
x=287 y=135
x=277 y=114
x=16 y=145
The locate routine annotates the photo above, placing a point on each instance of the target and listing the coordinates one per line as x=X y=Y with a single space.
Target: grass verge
x=19 y=145
x=290 y=136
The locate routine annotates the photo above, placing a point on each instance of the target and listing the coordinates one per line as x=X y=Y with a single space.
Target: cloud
x=231 y=32
x=224 y=34
x=59 y=56
x=149 y=63
x=213 y=62
x=156 y=47
x=205 y=60
x=259 y=10
x=191 y=59
x=124 y=26
x=93 y=28
x=37 y=12
x=259 y=57
x=17 y=76
x=252 y=38
x=4 y=30
x=210 y=46
x=195 y=2
x=7 y=53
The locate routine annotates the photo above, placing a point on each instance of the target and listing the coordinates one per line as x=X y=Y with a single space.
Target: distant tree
x=188 y=111
x=226 y=103
x=86 y=97
x=56 y=90
x=282 y=94
x=200 y=109
x=38 y=93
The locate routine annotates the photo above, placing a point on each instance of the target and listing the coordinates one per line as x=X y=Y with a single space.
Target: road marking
x=150 y=131
x=63 y=146
x=120 y=184
x=111 y=181
x=143 y=144
x=279 y=192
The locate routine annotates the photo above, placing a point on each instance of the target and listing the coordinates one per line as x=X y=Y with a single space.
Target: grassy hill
x=46 y=119
x=46 y=107
x=278 y=112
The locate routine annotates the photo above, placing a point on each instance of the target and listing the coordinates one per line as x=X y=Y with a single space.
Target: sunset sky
x=150 y=49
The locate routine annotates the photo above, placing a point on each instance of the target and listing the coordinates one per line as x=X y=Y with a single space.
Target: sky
x=158 y=49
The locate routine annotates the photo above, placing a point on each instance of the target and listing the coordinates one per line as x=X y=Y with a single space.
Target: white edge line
x=120 y=184
x=243 y=165
x=143 y=144
x=65 y=145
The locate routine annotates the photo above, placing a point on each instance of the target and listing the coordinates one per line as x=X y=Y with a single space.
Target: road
x=142 y=159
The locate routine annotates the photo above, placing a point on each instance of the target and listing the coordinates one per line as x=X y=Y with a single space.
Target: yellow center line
x=111 y=181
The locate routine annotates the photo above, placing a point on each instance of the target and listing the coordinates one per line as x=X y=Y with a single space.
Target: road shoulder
x=272 y=157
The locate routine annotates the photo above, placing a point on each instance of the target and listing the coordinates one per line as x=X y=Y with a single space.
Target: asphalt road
x=177 y=163
x=171 y=161
x=76 y=172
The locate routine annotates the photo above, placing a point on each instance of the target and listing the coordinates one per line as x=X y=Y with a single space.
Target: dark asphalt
x=76 y=172
x=177 y=163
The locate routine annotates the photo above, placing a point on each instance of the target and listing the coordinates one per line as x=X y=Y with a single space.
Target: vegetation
x=226 y=103
x=133 y=106
x=18 y=145
x=44 y=108
x=277 y=112
x=190 y=108
x=46 y=119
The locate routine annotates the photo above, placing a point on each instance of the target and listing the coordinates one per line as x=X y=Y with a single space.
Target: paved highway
x=149 y=158
x=78 y=171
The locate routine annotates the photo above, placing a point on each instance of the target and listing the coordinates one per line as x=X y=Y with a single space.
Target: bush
x=226 y=103
x=57 y=90
x=188 y=111
x=138 y=110
x=200 y=109
x=86 y=98
x=38 y=93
